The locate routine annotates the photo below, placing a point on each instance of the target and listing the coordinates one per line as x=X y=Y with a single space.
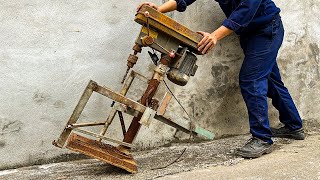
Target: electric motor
x=182 y=67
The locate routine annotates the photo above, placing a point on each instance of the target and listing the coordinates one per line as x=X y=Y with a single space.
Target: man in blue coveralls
x=261 y=34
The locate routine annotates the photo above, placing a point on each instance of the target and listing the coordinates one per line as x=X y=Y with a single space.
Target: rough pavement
x=298 y=160
x=206 y=160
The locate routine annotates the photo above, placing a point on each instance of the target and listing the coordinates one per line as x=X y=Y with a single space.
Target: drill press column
x=158 y=76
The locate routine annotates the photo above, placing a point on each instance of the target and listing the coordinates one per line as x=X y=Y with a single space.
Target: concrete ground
x=298 y=160
x=206 y=160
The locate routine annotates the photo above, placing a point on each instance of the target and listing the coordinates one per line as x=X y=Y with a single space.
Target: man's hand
x=168 y=6
x=147 y=3
x=207 y=43
x=210 y=40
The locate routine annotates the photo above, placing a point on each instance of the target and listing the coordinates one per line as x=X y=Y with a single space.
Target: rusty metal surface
x=137 y=49
x=109 y=120
x=102 y=137
x=150 y=92
x=87 y=124
x=154 y=104
x=163 y=119
x=169 y=122
x=76 y=114
x=128 y=110
x=139 y=76
x=147 y=40
x=147 y=117
x=123 y=126
x=165 y=59
x=133 y=129
x=132 y=60
x=119 y=98
x=164 y=103
x=104 y=152
x=169 y=26
x=145 y=100
x=163 y=42
x=125 y=87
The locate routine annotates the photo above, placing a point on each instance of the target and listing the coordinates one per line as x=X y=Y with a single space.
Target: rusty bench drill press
x=177 y=45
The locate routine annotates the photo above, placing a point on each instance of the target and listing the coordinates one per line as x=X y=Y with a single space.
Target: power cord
x=190 y=130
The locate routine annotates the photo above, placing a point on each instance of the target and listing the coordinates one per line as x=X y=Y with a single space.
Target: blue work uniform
x=261 y=34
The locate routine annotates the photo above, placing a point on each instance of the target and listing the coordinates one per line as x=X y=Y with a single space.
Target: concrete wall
x=217 y=102
x=51 y=49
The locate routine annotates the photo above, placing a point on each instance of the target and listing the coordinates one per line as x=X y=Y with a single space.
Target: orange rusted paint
x=163 y=106
x=103 y=152
x=169 y=26
x=145 y=100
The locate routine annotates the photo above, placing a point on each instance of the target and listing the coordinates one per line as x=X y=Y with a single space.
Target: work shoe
x=254 y=148
x=285 y=132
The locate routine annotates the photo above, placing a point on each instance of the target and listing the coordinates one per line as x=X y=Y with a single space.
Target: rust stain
x=103 y=152
x=169 y=26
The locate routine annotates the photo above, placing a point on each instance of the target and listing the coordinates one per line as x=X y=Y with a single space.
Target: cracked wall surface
x=51 y=49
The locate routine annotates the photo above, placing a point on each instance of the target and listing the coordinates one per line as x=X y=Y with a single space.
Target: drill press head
x=167 y=36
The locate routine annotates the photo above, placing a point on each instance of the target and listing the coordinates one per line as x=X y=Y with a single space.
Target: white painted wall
x=51 y=49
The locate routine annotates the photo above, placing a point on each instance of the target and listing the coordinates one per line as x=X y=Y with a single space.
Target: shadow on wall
x=225 y=110
x=214 y=96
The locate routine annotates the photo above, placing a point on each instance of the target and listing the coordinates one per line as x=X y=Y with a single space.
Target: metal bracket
x=164 y=103
x=147 y=116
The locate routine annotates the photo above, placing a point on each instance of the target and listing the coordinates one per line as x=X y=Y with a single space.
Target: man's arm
x=239 y=18
x=168 y=6
x=210 y=40
x=171 y=5
x=242 y=15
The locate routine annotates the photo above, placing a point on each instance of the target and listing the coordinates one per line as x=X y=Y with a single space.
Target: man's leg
x=282 y=101
x=260 y=56
x=254 y=88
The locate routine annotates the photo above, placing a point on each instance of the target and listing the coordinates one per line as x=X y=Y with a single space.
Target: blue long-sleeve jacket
x=242 y=15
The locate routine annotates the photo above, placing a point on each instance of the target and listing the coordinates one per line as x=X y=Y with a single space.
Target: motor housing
x=182 y=67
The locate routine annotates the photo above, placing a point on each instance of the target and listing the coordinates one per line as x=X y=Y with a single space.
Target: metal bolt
x=146 y=14
x=172 y=54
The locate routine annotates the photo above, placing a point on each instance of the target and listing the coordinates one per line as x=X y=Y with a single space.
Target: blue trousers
x=260 y=78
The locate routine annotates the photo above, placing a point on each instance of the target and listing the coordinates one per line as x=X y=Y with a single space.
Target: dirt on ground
x=207 y=160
